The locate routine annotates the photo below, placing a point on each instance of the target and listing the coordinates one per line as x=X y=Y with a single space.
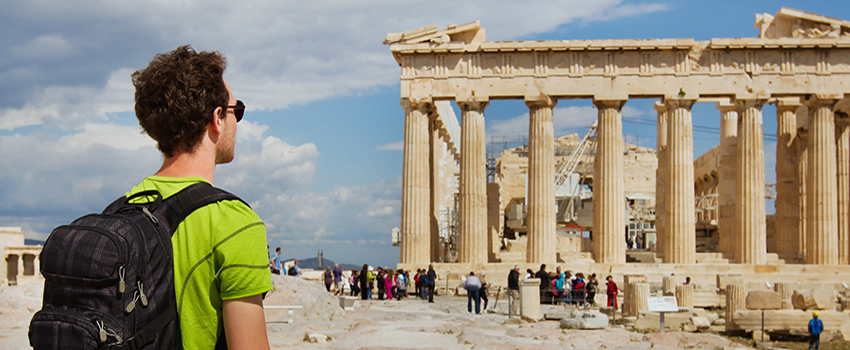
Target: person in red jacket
x=612 y=292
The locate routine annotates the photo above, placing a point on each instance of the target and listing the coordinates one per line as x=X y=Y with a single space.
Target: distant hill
x=313 y=263
x=28 y=241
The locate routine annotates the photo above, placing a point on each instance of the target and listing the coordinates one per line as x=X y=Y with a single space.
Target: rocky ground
x=406 y=324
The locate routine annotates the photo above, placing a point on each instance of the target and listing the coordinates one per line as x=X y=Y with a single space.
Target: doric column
x=416 y=185
x=727 y=177
x=750 y=230
x=685 y=296
x=661 y=176
x=736 y=299
x=787 y=196
x=842 y=156
x=822 y=201
x=609 y=245
x=472 y=223
x=436 y=151
x=802 y=147
x=541 y=184
x=681 y=247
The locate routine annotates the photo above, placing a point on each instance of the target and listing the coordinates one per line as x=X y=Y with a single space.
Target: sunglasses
x=238 y=110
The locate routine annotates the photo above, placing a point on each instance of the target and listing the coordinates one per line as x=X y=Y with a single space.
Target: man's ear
x=217 y=122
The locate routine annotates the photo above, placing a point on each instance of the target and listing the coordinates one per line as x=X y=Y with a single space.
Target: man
x=544 y=281
x=815 y=328
x=472 y=285
x=338 y=285
x=184 y=104
x=513 y=288
x=276 y=261
x=432 y=282
x=295 y=268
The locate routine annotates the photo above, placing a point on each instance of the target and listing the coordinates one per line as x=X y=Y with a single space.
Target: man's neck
x=188 y=165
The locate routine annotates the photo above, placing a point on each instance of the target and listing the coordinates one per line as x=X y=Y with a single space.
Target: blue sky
x=317 y=153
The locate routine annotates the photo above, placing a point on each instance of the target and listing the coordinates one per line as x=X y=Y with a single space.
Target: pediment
x=467 y=33
x=791 y=23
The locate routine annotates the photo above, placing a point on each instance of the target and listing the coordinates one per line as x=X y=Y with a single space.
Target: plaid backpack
x=109 y=278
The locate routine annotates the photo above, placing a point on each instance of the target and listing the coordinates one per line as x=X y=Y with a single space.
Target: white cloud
x=395 y=146
x=565 y=120
x=120 y=137
x=250 y=131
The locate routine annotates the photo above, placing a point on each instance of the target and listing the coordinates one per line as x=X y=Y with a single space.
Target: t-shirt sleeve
x=240 y=252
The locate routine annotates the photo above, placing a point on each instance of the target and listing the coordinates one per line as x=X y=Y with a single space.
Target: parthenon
x=800 y=62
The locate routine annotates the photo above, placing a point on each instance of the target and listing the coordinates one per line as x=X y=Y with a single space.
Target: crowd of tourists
x=388 y=284
x=563 y=287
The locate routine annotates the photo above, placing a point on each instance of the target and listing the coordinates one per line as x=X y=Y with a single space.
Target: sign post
x=662 y=305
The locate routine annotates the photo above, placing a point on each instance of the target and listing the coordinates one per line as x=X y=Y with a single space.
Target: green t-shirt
x=219 y=254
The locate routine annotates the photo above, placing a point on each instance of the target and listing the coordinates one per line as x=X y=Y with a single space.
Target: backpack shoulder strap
x=176 y=208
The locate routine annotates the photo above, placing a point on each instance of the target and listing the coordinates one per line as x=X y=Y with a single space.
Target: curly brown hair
x=176 y=95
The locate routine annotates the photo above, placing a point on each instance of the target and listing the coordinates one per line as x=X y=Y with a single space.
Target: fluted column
x=842 y=157
x=787 y=196
x=416 y=185
x=802 y=146
x=685 y=296
x=661 y=176
x=681 y=247
x=609 y=245
x=472 y=223
x=541 y=184
x=750 y=230
x=727 y=177
x=822 y=200
x=436 y=143
x=736 y=299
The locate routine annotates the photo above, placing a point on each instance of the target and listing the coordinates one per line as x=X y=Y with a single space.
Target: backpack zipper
x=122 y=253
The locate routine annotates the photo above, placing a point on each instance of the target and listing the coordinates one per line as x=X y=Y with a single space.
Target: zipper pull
x=121 y=285
x=132 y=305
x=142 y=295
x=101 y=331
x=150 y=216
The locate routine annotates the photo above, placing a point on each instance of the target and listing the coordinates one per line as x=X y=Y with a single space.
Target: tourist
x=354 y=283
x=408 y=282
x=275 y=261
x=638 y=241
x=472 y=285
x=381 y=280
x=591 y=286
x=485 y=287
x=401 y=285
x=815 y=328
x=416 y=280
x=329 y=278
x=513 y=289
x=612 y=292
x=370 y=278
x=295 y=270
x=528 y=274
x=558 y=286
x=183 y=102
x=568 y=288
x=364 y=282
x=338 y=285
x=432 y=282
x=389 y=283
x=423 y=285
x=578 y=289
x=687 y=281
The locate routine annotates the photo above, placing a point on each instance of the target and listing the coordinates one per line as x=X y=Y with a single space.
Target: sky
x=318 y=154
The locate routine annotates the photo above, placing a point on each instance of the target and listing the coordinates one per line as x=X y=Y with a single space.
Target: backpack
x=291 y=271
x=109 y=277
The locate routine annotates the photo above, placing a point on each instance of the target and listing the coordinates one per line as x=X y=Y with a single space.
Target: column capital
x=679 y=103
x=660 y=107
x=469 y=105
x=726 y=107
x=410 y=104
x=750 y=103
x=614 y=104
x=788 y=104
x=541 y=101
x=814 y=101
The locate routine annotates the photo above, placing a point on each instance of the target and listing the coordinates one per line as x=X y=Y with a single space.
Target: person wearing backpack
x=815 y=328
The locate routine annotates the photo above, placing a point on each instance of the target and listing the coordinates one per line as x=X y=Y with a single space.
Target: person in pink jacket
x=389 y=283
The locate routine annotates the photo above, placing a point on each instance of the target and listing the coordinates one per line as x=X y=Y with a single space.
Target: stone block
x=701 y=323
x=724 y=279
x=347 y=303
x=820 y=299
x=557 y=315
x=649 y=321
x=317 y=338
x=757 y=336
x=787 y=320
x=590 y=319
x=845 y=331
x=763 y=300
